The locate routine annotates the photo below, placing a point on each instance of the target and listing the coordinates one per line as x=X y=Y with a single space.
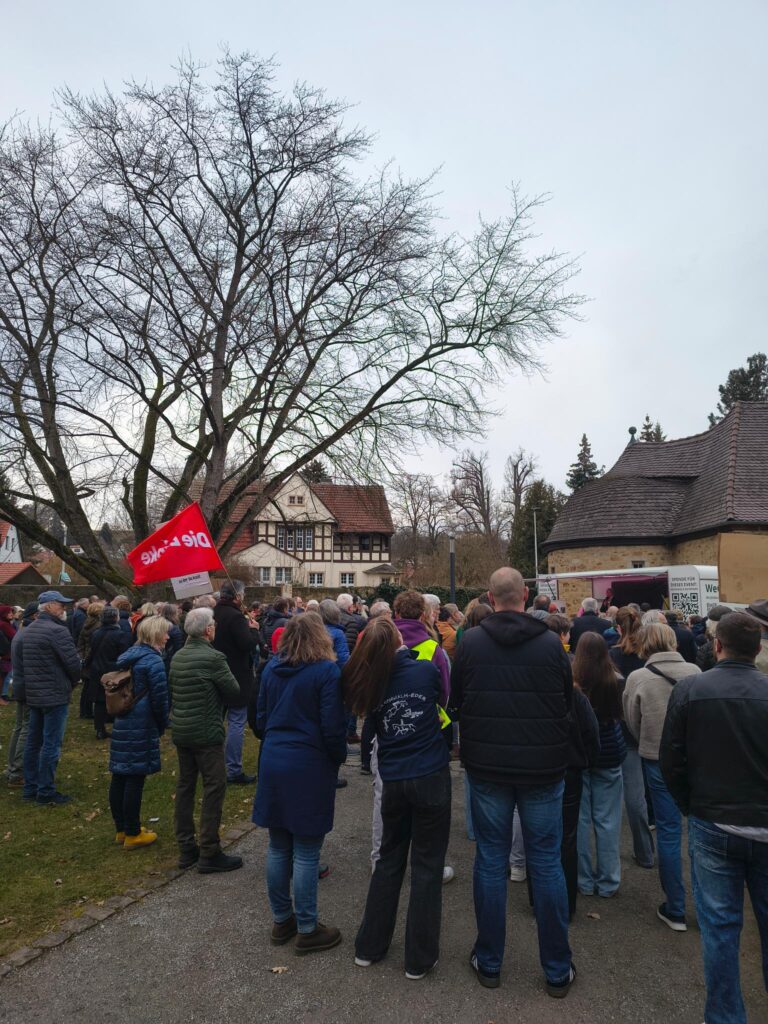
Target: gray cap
x=718 y=612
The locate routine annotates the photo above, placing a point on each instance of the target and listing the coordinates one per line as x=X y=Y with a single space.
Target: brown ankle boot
x=318 y=940
x=283 y=932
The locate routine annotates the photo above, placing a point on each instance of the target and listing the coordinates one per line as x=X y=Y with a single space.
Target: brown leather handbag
x=118 y=689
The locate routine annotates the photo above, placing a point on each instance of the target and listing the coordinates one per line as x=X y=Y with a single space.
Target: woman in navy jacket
x=384 y=679
x=135 y=748
x=301 y=718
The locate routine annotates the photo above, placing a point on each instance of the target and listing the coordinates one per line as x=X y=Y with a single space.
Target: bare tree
x=519 y=470
x=418 y=505
x=478 y=506
x=198 y=292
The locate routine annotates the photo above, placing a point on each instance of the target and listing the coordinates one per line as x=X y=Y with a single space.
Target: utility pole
x=452 y=550
x=536 y=550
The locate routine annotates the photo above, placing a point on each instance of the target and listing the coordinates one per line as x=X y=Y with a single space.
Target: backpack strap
x=658 y=672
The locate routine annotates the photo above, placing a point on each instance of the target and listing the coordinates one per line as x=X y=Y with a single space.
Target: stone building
x=317 y=536
x=700 y=500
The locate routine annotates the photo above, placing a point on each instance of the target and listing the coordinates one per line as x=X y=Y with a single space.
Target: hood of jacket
x=412 y=631
x=512 y=628
x=136 y=654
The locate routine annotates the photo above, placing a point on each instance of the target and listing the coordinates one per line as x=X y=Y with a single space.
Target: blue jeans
x=43 y=749
x=636 y=807
x=721 y=864
x=233 y=748
x=296 y=857
x=7 y=684
x=669 y=833
x=600 y=812
x=517 y=853
x=541 y=815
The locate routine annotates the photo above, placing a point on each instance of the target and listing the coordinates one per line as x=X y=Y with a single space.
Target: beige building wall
x=701 y=551
x=618 y=557
x=743 y=573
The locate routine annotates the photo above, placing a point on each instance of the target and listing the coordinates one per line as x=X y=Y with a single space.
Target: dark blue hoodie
x=407 y=721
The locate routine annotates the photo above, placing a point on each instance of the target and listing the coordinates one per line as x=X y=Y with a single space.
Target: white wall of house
x=10 y=549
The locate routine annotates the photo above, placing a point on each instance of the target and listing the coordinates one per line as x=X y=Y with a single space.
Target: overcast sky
x=645 y=121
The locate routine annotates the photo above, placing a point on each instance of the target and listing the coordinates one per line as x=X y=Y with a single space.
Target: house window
x=283 y=575
x=315 y=579
x=265 y=575
x=296 y=499
x=365 y=542
x=281 y=537
x=638 y=563
x=299 y=531
x=347 y=579
x=309 y=538
x=289 y=540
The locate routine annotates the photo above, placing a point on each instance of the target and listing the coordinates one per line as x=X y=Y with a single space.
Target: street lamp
x=452 y=551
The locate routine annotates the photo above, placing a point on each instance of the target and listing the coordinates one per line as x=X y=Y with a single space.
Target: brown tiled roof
x=4 y=528
x=357 y=508
x=10 y=570
x=670 y=489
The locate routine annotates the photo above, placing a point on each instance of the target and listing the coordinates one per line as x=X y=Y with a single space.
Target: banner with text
x=180 y=547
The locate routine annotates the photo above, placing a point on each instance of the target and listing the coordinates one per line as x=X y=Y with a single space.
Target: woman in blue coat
x=301 y=718
x=135 y=749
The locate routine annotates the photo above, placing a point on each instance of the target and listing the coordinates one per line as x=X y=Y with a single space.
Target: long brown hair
x=595 y=675
x=305 y=640
x=629 y=622
x=365 y=676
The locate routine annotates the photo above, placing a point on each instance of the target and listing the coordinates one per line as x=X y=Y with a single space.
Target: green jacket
x=199 y=678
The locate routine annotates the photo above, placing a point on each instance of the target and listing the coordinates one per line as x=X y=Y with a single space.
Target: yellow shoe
x=119 y=838
x=144 y=838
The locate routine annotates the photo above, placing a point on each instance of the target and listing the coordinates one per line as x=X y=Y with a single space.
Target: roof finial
x=632 y=438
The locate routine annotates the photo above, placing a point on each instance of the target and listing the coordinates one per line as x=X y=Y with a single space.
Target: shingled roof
x=357 y=508
x=666 y=490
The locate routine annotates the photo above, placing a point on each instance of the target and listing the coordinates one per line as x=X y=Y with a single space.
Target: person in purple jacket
x=409 y=619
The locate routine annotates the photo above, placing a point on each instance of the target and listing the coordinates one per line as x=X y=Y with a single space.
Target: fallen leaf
x=58 y=881
x=593 y=915
x=6 y=920
x=153 y=821
x=7 y=835
x=92 y=815
x=277 y=970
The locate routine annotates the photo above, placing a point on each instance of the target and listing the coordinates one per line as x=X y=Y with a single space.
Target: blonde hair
x=147 y=608
x=305 y=640
x=94 y=610
x=655 y=638
x=153 y=630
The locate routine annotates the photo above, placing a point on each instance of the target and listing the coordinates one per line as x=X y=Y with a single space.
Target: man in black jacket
x=714 y=758
x=588 y=621
x=686 y=641
x=47 y=665
x=512 y=687
x=238 y=640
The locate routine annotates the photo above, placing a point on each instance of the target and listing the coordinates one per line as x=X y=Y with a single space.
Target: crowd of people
x=561 y=725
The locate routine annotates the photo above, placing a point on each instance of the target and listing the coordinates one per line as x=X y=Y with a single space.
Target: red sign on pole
x=179 y=547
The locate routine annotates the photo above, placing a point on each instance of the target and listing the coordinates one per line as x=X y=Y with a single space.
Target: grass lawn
x=55 y=859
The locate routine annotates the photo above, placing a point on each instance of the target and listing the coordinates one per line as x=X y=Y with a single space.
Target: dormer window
x=296 y=499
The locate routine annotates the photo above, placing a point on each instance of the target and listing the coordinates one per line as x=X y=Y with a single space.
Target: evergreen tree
x=584 y=468
x=548 y=502
x=744 y=384
x=652 y=432
x=316 y=472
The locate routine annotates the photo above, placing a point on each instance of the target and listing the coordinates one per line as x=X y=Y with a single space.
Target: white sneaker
x=448 y=876
x=359 y=962
x=417 y=977
x=517 y=874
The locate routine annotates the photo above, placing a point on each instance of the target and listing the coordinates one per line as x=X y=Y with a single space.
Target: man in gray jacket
x=46 y=661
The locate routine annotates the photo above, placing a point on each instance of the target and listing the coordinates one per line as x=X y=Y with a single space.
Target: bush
x=389 y=591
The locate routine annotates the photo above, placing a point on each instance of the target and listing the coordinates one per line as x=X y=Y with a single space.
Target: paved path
x=197 y=952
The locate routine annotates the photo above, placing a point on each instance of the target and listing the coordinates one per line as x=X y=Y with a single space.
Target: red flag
x=181 y=546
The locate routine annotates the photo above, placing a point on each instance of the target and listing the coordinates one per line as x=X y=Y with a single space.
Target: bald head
x=508 y=590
